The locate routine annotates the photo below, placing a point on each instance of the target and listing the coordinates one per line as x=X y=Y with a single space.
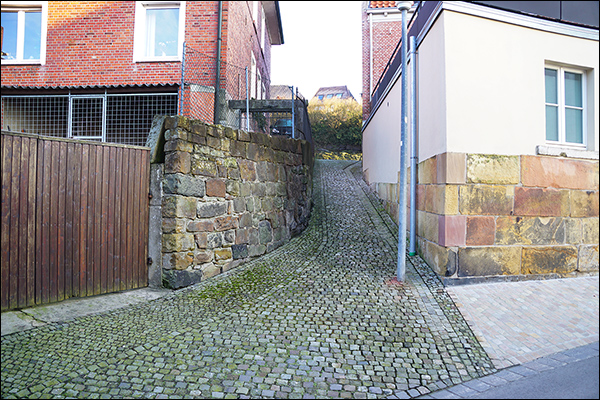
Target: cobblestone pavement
x=321 y=317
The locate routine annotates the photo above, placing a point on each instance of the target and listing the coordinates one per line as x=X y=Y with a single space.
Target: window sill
x=22 y=62
x=165 y=59
x=564 y=151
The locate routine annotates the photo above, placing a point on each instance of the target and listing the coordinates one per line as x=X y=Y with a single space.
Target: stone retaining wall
x=481 y=216
x=228 y=196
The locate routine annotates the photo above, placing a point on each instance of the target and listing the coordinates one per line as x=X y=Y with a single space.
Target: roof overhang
x=273 y=21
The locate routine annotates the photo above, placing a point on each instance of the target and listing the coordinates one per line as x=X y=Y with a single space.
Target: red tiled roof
x=382 y=4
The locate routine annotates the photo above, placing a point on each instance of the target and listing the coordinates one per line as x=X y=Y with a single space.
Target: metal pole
x=247 y=103
x=218 y=75
x=293 y=114
x=412 y=250
x=401 y=269
x=181 y=87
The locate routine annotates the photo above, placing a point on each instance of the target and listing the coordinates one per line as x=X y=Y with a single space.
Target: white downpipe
x=412 y=250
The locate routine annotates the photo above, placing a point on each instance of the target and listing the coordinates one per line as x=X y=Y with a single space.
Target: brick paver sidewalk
x=320 y=317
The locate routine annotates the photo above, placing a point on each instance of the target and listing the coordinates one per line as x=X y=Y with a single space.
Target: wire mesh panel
x=115 y=118
x=87 y=118
x=129 y=117
x=42 y=115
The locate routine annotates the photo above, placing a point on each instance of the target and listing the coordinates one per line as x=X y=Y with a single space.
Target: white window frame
x=21 y=7
x=561 y=106
x=139 y=42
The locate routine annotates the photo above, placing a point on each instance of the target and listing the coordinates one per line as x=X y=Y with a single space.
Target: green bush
x=336 y=122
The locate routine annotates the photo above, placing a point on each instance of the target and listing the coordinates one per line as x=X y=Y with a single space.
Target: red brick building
x=101 y=70
x=381 y=33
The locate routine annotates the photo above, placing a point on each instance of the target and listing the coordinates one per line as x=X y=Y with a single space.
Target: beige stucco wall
x=480 y=90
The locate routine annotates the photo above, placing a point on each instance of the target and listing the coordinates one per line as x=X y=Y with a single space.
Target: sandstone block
x=212 y=209
x=214 y=240
x=244 y=136
x=202 y=256
x=427 y=226
x=178 y=261
x=201 y=240
x=540 y=202
x=204 y=168
x=452 y=230
x=481 y=231
x=530 y=230
x=177 y=162
x=451 y=168
x=256 y=250
x=265 y=232
x=201 y=226
x=173 y=225
x=588 y=258
x=184 y=185
x=252 y=151
x=209 y=270
x=238 y=148
x=225 y=222
x=573 y=231
x=493 y=169
x=547 y=260
x=176 y=242
x=441 y=259
x=584 y=203
x=223 y=254
x=486 y=200
x=590 y=230
x=242 y=236
x=175 y=206
x=178 y=145
x=544 y=171
x=232 y=187
x=427 y=171
x=247 y=170
x=216 y=188
x=488 y=261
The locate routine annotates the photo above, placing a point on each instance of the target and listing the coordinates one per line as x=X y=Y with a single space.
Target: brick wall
x=229 y=196
x=384 y=37
x=91 y=43
x=482 y=216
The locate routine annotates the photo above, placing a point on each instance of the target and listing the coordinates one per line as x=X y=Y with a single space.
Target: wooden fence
x=74 y=219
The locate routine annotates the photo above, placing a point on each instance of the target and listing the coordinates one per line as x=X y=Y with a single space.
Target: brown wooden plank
x=131 y=210
x=60 y=221
x=7 y=152
x=39 y=196
x=144 y=210
x=98 y=220
x=110 y=260
x=13 y=295
x=83 y=220
x=105 y=263
x=69 y=200
x=31 y=222
x=77 y=167
x=54 y=191
x=21 y=228
x=44 y=263
x=124 y=211
x=136 y=220
x=117 y=220
x=91 y=240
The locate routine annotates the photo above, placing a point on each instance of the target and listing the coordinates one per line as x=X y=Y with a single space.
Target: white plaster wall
x=480 y=90
x=495 y=84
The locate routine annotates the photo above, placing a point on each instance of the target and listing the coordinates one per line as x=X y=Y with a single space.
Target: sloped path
x=320 y=317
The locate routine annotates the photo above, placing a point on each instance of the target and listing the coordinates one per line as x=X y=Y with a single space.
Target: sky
x=321 y=46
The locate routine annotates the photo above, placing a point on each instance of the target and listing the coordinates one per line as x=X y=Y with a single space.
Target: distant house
x=283 y=92
x=507 y=137
x=102 y=70
x=333 y=92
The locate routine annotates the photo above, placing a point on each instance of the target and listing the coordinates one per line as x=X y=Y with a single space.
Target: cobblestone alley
x=320 y=317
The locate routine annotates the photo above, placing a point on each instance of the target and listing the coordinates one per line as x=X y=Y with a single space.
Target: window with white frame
x=565 y=106
x=159 y=30
x=24 y=26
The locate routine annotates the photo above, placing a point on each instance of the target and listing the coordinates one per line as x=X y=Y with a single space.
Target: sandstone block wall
x=488 y=215
x=228 y=196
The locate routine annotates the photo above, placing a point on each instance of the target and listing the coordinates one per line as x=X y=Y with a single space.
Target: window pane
x=552 y=123
x=551 y=86
x=162 y=31
x=573 y=89
x=574 y=125
x=9 y=41
x=33 y=35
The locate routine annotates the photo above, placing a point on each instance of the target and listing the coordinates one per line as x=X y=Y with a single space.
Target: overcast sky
x=321 y=46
